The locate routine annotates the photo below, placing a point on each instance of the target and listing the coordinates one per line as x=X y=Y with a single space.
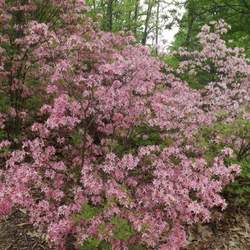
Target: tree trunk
x=145 y=32
x=157 y=27
x=191 y=19
x=136 y=16
x=110 y=15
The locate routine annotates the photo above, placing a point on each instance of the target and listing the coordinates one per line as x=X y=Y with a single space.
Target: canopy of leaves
x=199 y=12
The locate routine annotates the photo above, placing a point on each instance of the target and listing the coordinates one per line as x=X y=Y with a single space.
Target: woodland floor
x=16 y=234
x=232 y=232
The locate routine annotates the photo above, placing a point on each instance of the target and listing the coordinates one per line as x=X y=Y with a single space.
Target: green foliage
x=172 y=61
x=143 y=135
x=227 y=134
x=122 y=229
x=4 y=103
x=76 y=138
x=90 y=244
x=104 y=246
x=87 y=212
x=33 y=103
x=93 y=243
x=46 y=12
x=2 y=134
x=138 y=247
x=238 y=192
x=200 y=12
x=196 y=81
x=123 y=14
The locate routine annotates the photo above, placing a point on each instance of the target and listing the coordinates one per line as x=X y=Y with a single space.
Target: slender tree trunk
x=145 y=32
x=110 y=15
x=191 y=19
x=157 y=27
x=136 y=16
x=129 y=21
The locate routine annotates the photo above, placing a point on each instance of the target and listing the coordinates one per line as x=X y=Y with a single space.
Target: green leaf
x=87 y=212
x=90 y=244
x=122 y=229
x=76 y=138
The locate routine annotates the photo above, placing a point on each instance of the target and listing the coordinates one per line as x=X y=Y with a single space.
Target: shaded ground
x=232 y=232
x=16 y=234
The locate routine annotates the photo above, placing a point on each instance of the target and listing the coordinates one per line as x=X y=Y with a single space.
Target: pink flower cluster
x=98 y=89
x=229 y=88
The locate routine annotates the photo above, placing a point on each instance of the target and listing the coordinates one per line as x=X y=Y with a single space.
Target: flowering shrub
x=226 y=70
x=225 y=73
x=106 y=156
x=233 y=138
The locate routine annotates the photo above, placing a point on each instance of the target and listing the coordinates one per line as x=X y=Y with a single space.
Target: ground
x=17 y=234
x=231 y=232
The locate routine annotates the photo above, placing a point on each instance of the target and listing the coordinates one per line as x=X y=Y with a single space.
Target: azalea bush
x=225 y=70
x=234 y=137
x=98 y=137
x=224 y=75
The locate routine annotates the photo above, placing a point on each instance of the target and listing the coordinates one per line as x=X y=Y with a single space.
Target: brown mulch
x=17 y=234
x=232 y=232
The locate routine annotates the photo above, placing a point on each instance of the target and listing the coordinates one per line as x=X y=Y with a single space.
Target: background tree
x=199 y=12
x=116 y=15
x=145 y=19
